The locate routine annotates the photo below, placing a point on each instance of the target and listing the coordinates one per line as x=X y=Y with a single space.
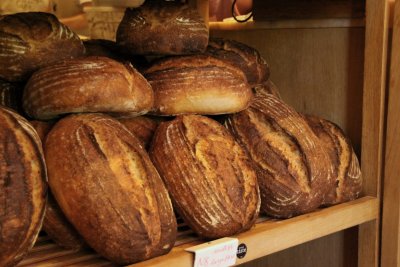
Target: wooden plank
x=376 y=38
x=390 y=256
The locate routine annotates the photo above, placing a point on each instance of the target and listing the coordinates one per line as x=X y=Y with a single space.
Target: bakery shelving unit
x=335 y=68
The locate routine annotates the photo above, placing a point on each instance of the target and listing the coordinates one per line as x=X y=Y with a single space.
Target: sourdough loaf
x=108 y=188
x=293 y=166
x=212 y=182
x=162 y=28
x=29 y=41
x=22 y=187
x=92 y=84
x=345 y=166
x=197 y=85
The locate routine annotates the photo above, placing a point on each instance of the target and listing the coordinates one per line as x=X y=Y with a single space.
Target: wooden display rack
x=334 y=68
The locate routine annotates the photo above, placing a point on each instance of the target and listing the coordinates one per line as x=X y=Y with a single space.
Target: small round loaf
x=108 y=188
x=92 y=84
x=345 y=166
x=10 y=95
x=142 y=127
x=293 y=166
x=211 y=180
x=162 y=28
x=22 y=187
x=242 y=56
x=32 y=40
x=197 y=85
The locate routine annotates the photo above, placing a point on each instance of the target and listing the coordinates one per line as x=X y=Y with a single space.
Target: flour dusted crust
x=210 y=178
x=22 y=187
x=32 y=40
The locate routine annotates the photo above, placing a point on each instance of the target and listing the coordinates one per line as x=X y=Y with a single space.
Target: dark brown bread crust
x=197 y=85
x=108 y=188
x=242 y=56
x=92 y=84
x=142 y=127
x=11 y=95
x=293 y=167
x=22 y=187
x=162 y=28
x=345 y=166
x=29 y=41
x=210 y=178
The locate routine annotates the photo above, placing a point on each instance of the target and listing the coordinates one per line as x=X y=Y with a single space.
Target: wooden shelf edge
x=272 y=236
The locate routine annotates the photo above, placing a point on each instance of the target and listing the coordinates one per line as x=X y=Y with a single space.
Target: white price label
x=217 y=253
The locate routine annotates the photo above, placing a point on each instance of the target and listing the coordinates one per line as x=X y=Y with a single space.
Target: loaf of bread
x=92 y=84
x=29 y=41
x=293 y=166
x=162 y=28
x=242 y=56
x=108 y=188
x=55 y=224
x=142 y=127
x=345 y=166
x=211 y=180
x=10 y=95
x=23 y=187
x=197 y=85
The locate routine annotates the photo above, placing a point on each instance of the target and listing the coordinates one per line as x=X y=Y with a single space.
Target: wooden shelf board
x=266 y=237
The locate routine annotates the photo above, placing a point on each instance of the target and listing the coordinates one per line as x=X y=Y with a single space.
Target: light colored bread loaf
x=293 y=166
x=32 y=40
x=22 y=187
x=92 y=84
x=162 y=28
x=242 y=56
x=211 y=180
x=197 y=85
x=108 y=188
x=345 y=166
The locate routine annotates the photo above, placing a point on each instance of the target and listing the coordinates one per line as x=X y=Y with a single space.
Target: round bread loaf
x=92 y=84
x=293 y=166
x=10 y=95
x=22 y=187
x=242 y=56
x=108 y=188
x=142 y=127
x=162 y=28
x=55 y=224
x=345 y=166
x=211 y=180
x=29 y=41
x=197 y=85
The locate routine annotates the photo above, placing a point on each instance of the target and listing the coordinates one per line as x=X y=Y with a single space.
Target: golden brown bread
x=55 y=224
x=211 y=180
x=92 y=84
x=108 y=188
x=242 y=56
x=142 y=127
x=32 y=40
x=293 y=167
x=162 y=28
x=10 y=95
x=345 y=166
x=22 y=187
x=197 y=85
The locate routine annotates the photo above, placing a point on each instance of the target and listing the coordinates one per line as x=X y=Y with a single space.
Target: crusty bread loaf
x=211 y=180
x=22 y=187
x=92 y=84
x=162 y=28
x=29 y=41
x=142 y=127
x=345 y=166
x=10 y=95
x=242 y=56
x=293 y=166
x=267 y=87
x=197 y=85
x=55 y=224
x=108 y=188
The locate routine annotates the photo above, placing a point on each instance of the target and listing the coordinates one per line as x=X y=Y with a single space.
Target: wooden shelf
x=265 y=238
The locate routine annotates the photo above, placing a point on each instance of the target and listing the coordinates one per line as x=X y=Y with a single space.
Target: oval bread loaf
x=293 y=166
x=108 y=188
x=211 y=180
x=32 y=40
x=92 y=84
x=22 y=187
